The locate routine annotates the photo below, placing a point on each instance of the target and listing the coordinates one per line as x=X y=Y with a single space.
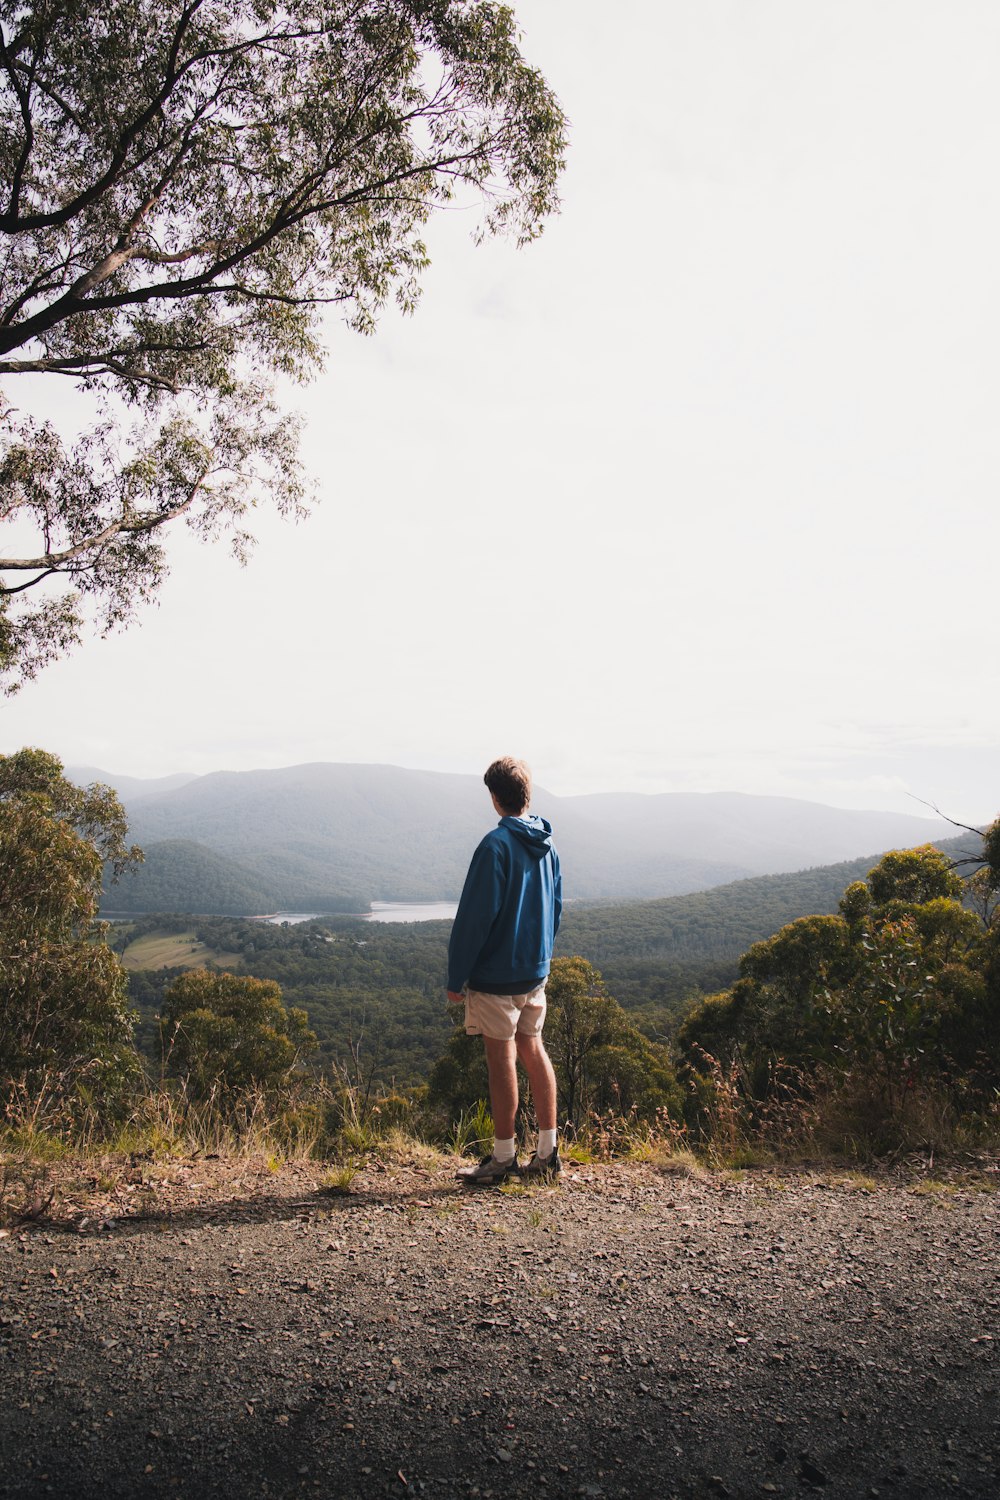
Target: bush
x=66 y=1029
x=231 y=1033
x=890 y=1010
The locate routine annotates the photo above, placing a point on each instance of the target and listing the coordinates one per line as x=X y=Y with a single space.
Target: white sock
x=503 y=1150
x=546 y=1143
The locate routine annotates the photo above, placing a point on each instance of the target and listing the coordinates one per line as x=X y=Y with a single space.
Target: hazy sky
x=697 y=493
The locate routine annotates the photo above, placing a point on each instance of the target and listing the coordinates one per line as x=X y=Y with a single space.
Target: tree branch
x=23 y=98
x=55 y=562
x=69 y=305
x=20 y=588
x=93 y=364
x=933 y=806
x=37 y=287
x=286 y=298
x=11 y=223
x=121 y=256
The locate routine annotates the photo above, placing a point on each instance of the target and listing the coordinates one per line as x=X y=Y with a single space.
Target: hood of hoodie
x=533 y=832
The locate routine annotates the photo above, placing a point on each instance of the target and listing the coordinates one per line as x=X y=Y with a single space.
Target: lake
x=381 y=911
x=412 y=911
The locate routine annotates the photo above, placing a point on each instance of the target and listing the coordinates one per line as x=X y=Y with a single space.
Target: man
x=498 y=962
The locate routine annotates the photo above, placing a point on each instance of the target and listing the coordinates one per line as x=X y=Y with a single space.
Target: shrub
x=232 y=1033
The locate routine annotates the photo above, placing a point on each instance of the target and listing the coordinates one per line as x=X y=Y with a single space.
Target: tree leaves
x=901 y=988
x=65 y=1023
x=231 y=1032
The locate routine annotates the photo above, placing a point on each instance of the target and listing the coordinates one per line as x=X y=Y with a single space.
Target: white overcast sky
x=697 y=493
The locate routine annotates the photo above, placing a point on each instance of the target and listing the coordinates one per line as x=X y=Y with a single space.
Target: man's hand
x=456 y=998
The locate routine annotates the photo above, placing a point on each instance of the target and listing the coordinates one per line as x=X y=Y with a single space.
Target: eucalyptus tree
x=185 y=187
x=896 y=995
x=230 y=1033
x=66 y=1027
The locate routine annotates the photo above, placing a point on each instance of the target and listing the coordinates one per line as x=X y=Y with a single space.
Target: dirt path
x=627 y=1334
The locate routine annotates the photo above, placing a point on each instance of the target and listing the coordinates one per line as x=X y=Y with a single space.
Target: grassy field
x=174 y=950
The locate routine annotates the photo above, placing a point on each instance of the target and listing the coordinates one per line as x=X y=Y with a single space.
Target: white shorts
x=502 y=1017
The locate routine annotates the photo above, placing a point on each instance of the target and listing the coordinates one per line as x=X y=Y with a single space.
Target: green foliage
x=856 y=903
x=94 y=812
x=658 y=955
x=458 y=1082
x=373 y=991
x=893 y=1015
x=991 y=853
x=473 y=1131
x=896 y=999
x=897 y=993
x=65 y=1025
x=982 y=895
x=378 y=986
x=231 y=1032
x=914 y=875
x=179 y=873
x=185 y=189
x=805 y=957
x=602 y=1061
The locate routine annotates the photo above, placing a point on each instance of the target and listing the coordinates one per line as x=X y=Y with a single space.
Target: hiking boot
x=543 y=1169
x=489 y=1173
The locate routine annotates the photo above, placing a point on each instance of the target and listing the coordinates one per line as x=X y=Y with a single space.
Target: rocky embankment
x=629 y=1333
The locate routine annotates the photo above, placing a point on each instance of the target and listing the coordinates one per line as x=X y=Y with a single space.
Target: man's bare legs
x=541 y=1076
x=500 y=1064
x=501 y=1060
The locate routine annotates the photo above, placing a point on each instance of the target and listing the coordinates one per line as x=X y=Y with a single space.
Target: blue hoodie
x=509 y=913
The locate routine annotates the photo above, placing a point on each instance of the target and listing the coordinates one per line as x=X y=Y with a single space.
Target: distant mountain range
x=334 y=837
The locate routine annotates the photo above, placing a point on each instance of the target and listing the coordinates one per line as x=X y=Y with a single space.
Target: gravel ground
x=628 y=1333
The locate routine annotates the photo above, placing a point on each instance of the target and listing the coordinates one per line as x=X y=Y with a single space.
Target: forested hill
x=655 y=954
x=332 y=837
x=181 y=875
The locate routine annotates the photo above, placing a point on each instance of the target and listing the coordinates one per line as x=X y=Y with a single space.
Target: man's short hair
x=510 y=782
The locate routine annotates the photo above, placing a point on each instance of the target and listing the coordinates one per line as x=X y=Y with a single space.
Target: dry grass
x=173 y=1152
x=406 y=1150
x=88 y=1190
x=26 y=1188
x=104 y=1183
x=338 y=1181
x=857 y=1182
x=677 y=1161
x=832 y=1117
x=933 y=1187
